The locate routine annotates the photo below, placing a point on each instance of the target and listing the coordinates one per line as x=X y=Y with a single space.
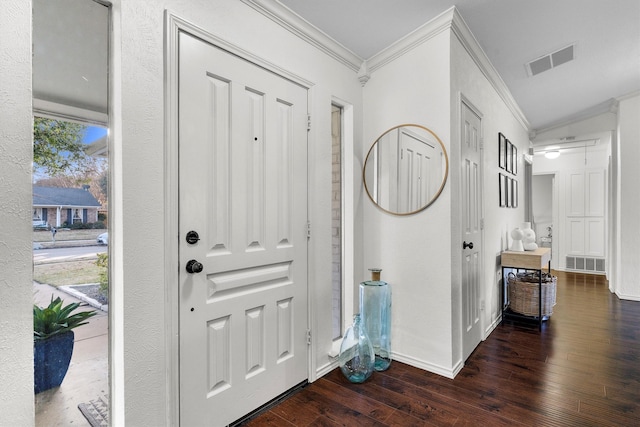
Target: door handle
x=466 y=245
x=194 y=266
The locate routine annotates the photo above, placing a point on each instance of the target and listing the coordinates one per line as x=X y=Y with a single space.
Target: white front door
x=471 y=230
x=243 y=190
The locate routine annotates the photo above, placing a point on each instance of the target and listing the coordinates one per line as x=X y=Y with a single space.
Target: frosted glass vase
x=375 y=309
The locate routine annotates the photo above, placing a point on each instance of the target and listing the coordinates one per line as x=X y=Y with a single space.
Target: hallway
x=582 y=369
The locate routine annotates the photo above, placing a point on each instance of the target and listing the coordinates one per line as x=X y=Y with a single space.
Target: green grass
x=67 y=273
x=63 y=235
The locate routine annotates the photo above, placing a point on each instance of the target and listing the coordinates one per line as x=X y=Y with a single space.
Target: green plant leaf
x=56 y=318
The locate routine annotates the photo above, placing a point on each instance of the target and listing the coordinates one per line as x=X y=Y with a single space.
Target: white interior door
x=471 y=230
x=243 y=186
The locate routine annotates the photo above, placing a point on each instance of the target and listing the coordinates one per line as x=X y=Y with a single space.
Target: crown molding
x=608 y=107
x=298 y=26
x=473 y=48
x=449 y=19
x=417 y=37
x=625 y=97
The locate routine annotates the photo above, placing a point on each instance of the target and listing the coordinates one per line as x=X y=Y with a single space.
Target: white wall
x=471 y=82
x=571 y=161
x=16 y=290
x=542 y=201
x=413 y=251
x=627 y=285
x=143 y=174
x=419 y=253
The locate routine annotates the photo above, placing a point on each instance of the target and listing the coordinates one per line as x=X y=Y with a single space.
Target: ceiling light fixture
x=553 y=154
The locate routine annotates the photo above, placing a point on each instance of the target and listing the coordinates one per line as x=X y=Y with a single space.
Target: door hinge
x=308 y=122
x=308 y=336
x=308 y=229
x=482 y=224
x=482 y=143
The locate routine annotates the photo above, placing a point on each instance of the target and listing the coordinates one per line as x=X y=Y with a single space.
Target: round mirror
x=405 y=169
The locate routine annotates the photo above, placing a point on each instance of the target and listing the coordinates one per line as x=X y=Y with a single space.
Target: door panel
x=472 y=233
x=420 y=170
x=243 y=186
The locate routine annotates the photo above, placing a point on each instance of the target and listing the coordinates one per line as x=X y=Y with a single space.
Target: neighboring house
x=55 y=206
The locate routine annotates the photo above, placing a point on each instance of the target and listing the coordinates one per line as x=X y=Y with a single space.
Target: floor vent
x=551 y=60
x=595 y=265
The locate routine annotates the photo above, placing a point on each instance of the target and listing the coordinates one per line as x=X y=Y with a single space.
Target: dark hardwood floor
x=582 y=369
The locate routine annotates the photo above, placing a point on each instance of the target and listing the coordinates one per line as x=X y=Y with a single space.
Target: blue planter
x=51 y=358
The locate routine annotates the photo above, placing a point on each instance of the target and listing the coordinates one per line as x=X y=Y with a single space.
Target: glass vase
x=356 y=353
x=375 y=309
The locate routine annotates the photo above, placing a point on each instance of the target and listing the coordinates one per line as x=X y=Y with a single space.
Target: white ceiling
x=70 y=67
x=512 y=33
x=70 y=56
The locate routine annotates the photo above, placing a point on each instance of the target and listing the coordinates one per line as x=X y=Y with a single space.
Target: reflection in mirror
x=405 y=169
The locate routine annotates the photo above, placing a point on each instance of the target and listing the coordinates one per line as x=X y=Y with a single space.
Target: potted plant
x=53 y=341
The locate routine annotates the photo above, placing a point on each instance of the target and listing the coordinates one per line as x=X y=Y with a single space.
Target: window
x=336 y=220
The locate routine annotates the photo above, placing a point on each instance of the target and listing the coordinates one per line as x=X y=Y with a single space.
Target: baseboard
x=492 y=326
x=412 y=361
x=427 y=366
x=328 y=367
x=628 y=297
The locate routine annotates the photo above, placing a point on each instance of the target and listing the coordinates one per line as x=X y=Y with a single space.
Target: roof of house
x=56 y=196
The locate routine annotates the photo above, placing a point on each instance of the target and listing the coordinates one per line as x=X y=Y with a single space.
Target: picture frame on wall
x=514 y=193
x=502 y=189
x=514 y=160
x=502 y=147
x=509 y=157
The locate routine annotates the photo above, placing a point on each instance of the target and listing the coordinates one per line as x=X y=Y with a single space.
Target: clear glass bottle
x=375 y=309
x=356 y=353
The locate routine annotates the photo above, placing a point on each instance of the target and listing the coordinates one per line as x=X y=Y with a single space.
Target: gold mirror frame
x=384 y=161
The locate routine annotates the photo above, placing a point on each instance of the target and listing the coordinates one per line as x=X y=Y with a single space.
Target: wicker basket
x=523 y=293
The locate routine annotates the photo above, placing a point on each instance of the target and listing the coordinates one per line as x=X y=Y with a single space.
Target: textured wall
x=414 y=250
x=16 y=290
x=472 y=83
x=143 y=166
x=628 y=286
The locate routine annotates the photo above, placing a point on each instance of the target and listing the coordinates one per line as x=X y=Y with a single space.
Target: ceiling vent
x=551 y=60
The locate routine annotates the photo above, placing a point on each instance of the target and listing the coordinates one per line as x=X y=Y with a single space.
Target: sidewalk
x=63 y=244
x=88 y=375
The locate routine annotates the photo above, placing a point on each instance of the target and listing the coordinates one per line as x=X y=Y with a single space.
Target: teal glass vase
x=375 y=309
x=356 y=353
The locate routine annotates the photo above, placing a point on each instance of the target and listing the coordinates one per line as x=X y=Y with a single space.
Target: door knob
x=194 y=266
x=466 y=245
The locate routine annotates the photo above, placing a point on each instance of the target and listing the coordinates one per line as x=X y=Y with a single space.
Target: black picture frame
x=502 y=190
x=502 y=147
x=514 y=160
x=509 y=157
x=514 y=193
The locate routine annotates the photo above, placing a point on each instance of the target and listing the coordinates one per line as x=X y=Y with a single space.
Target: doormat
x=96 y=412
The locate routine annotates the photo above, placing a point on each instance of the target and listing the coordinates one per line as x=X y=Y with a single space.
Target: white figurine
x=517 y=236
x=529 y=238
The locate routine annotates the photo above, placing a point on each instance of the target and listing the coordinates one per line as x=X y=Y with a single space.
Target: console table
x=528 y=260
